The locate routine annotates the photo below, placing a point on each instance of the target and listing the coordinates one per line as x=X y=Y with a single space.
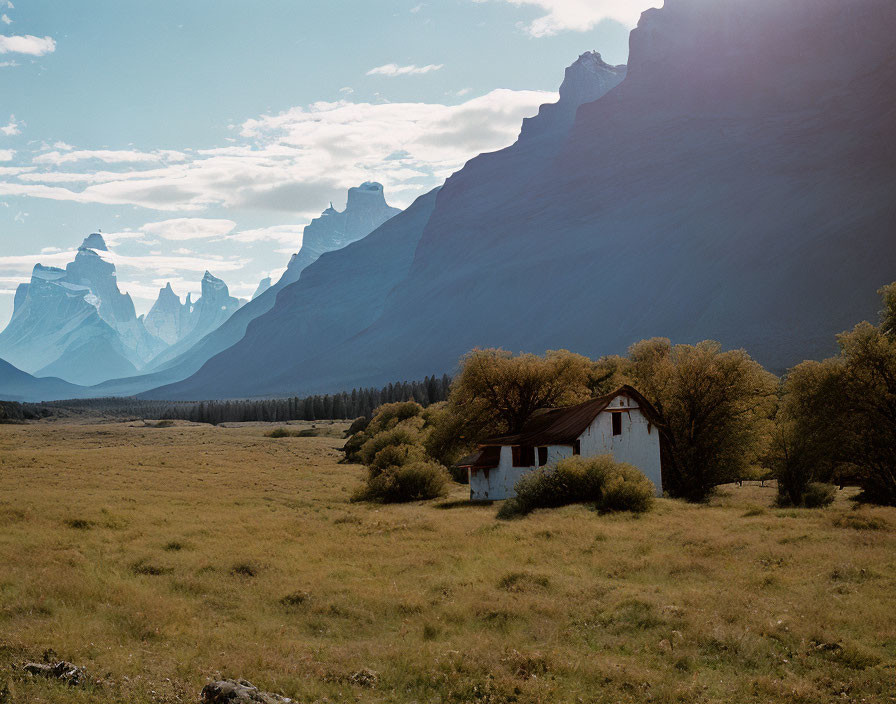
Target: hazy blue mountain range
x=366 y=209
x=75 y=323
x=737 y=185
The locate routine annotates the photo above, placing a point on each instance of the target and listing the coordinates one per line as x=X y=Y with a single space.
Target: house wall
x=639 y=445
x=495 y=484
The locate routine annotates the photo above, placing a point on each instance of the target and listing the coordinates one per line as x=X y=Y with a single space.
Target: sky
x=205 y=134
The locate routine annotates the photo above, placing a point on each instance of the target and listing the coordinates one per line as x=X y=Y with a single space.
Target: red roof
x=563 y=426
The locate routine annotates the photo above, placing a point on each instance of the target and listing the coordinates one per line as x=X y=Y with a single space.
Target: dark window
x=617 y=423
x=524 y=456
x=542 y=456
x=577 y=447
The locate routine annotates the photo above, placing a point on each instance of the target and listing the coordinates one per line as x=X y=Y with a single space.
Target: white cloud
x=62 y=146
x=416 y=8
x=189 y=228
x=27 y=44
x=108 y=156
x=299 y=159
x=581 y=15
x=8 y=64
x=392 y=70
x=12 y=128
x=7 y=154
x=5 y=19
x=285 y=234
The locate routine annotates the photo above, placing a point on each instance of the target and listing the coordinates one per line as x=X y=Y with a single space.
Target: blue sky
x=206 y=133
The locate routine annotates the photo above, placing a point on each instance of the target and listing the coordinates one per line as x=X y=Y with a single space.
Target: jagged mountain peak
x=263 y=286
x=94 y=241
x=587 y=79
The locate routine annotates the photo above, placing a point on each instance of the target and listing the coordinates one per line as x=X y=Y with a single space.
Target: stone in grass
x=238 y=692
x=62 y=671
x=365 y=678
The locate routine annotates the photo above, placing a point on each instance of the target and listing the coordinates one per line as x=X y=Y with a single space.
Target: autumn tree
x=716 y=407
x=808 y=438
x=502 y=391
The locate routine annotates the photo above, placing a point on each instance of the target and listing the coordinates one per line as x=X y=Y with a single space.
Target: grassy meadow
x=160 y=557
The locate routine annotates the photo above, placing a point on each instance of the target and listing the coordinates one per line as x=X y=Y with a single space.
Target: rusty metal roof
x=563 y=426
x=484 y=458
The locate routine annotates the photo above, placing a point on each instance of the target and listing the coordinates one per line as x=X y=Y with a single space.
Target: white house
x=622 y=424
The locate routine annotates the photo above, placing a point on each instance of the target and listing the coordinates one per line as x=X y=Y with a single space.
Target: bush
x=396 y=437
x=818 y=495
x=416 y=481
x=610 y=485
x=278 y=433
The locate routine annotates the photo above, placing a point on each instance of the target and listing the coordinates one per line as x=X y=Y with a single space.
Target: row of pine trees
x=345 y=405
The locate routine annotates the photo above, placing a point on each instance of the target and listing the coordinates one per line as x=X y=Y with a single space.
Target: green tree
x=716 y=407
x=809 y=437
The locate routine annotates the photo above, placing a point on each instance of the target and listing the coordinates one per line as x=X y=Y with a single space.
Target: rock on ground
x=238 y=692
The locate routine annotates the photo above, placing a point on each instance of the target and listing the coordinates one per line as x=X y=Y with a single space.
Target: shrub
x=418 y=480
x=278 y=433
x=395 y=438
x=610 y=485
x=819 y=495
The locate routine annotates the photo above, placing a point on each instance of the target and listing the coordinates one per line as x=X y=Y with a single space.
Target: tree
x=868 y=354
x=839 y=416
x=716 y=407
x=809 y=438
x=499 y=392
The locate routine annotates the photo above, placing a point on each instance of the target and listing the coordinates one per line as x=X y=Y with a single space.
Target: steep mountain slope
x=16 y=385
x=345 y=291
x=738 y=185
x=91 y=362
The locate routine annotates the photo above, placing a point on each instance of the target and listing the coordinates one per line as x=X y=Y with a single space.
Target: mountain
x=74 y=322
x=343 y=292
x=737 y=185
x=169 y=319
x=263 y=286
x=208 y=313
x=16 y=385
x=366 y=209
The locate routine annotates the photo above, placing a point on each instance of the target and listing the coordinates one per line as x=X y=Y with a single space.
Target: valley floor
x=158 y=558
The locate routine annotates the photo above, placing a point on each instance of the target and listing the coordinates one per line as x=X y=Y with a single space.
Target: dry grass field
x=158 y=558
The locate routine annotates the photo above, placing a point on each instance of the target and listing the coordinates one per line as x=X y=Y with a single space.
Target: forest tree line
x=341 y=406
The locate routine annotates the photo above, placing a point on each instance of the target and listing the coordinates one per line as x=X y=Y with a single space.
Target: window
x=617 y=423
x=542 y=456
x=577 y=447
x=523 y=456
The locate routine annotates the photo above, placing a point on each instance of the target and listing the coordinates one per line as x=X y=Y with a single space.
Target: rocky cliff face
x=75 y=323
x=365 y=210
x=211 y=310
x=588 y=79
x=169 y=319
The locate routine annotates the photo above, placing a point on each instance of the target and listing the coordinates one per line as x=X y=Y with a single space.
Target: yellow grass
x=160 y=557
